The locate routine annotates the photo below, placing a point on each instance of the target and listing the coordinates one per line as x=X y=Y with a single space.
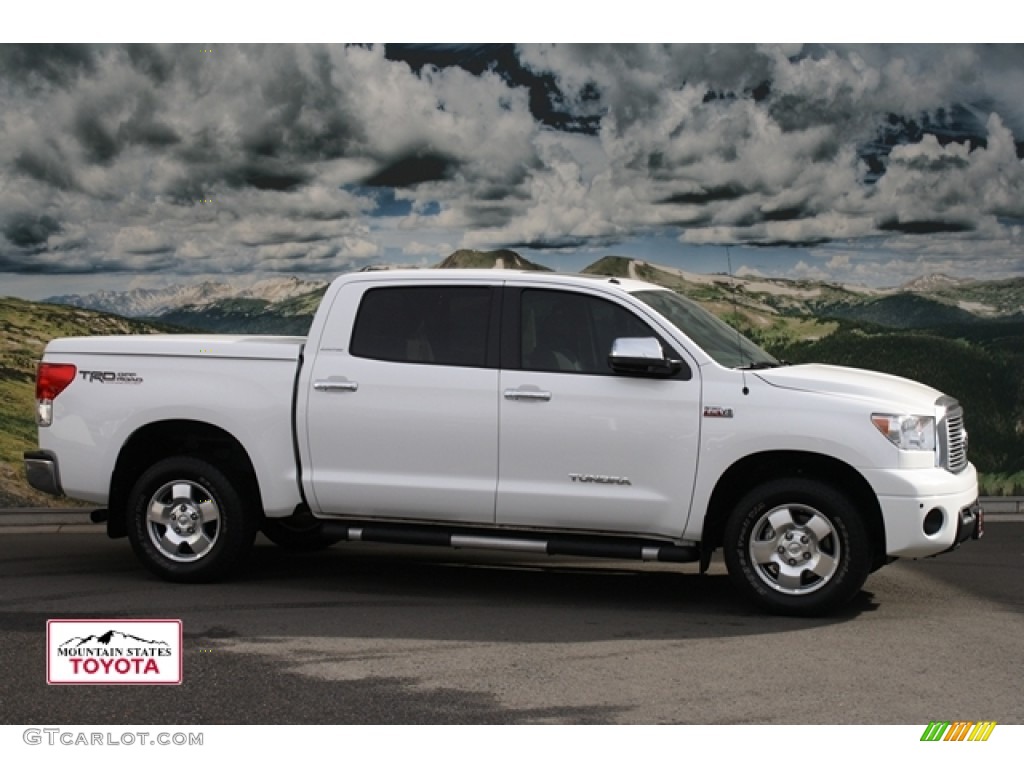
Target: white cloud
x=140 y=240
x=415 y=248
x=103 y=164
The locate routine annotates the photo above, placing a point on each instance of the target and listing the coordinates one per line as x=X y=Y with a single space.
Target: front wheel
x=797 y=547
x=188 y=522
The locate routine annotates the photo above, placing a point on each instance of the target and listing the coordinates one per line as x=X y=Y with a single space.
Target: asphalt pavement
x=377 y=634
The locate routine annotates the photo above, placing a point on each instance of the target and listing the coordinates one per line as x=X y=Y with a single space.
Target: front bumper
x=42 y=472
x=927 y=511
x=970 y=525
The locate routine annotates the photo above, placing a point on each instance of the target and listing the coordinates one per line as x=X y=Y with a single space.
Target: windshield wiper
x=759 y=366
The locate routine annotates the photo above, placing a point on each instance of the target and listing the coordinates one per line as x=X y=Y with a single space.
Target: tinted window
x=439 y=325
x=573 y=332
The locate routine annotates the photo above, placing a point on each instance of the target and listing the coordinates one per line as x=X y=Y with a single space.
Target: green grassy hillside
x=25 y=327
x=904 y=310
x=999 y=296
x=986 y=377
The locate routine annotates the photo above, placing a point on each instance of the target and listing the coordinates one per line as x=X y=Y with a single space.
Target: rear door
x=402 y=413
x=580 y=446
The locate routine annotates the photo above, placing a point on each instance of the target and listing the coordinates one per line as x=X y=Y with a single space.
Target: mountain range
x=154 y=302
x=965 y=338
x=287 y=304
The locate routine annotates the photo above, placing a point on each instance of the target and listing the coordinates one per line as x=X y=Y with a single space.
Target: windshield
x=722 y=342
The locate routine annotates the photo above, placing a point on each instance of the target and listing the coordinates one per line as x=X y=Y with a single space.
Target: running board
x=577 y=546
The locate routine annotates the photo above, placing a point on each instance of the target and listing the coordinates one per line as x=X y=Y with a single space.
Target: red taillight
x=52 y=379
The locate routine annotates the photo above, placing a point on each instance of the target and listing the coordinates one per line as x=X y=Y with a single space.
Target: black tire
x=188 y=522
x=797 y=547
x=304 y=534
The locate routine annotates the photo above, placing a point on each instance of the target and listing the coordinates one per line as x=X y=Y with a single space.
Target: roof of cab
x=629 y=285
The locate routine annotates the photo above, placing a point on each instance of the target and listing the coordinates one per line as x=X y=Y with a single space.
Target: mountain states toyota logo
x=113 y=652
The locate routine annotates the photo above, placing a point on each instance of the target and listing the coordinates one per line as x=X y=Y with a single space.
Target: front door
x=581 y=447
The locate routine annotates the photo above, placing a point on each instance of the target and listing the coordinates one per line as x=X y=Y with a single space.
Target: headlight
x=909 y=433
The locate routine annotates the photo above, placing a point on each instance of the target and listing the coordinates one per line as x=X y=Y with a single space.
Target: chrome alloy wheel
x=795 y=549
x=183 y=521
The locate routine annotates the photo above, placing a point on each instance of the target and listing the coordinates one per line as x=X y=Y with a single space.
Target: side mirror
x=642 y=357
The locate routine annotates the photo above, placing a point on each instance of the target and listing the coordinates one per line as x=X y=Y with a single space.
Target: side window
x=433 y=325
x=572 y=332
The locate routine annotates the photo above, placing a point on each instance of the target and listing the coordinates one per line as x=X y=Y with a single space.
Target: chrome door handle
x=527 y=394
x=327 y=385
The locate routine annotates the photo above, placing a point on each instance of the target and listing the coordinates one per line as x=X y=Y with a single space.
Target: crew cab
x=521 y=411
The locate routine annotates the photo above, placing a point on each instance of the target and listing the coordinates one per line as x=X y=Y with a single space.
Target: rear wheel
x=188 y=522
x=798 y=547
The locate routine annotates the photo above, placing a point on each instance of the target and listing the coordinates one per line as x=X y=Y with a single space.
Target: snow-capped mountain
x=156 y=302
x=933 y=282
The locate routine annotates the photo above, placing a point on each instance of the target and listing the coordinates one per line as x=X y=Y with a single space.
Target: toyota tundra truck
x=532 y=413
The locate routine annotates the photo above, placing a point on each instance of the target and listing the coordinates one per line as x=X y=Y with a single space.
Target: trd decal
x=110 y=377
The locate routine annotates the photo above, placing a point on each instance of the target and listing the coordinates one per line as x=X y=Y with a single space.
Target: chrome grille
x=953 y=437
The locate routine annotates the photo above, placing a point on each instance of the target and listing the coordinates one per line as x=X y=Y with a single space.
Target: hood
x=853 y=382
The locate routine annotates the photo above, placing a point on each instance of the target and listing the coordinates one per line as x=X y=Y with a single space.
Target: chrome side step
x=618 y=548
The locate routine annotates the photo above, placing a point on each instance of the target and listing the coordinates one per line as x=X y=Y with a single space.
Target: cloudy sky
x=142 y=165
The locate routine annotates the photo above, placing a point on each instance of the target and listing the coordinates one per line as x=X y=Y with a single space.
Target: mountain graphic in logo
x=110 y=639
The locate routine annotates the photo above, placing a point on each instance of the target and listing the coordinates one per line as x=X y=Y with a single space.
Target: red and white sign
x=113 y=652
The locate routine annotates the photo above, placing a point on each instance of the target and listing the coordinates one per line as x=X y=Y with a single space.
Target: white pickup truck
x=537 y=413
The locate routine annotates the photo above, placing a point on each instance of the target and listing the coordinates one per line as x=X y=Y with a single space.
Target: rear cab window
x=428 y=325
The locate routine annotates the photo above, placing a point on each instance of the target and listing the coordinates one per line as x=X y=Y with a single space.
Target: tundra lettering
x=607 y=479
x=448 y=407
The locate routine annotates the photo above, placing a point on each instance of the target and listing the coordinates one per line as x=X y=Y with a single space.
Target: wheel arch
x=753 y=470
x=162 y=439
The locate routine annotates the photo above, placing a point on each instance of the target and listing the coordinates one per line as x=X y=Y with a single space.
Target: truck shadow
x=456 y=595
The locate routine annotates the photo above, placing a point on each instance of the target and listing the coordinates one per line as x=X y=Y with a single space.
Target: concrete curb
x=42 y=517
x=48 y=520
x=74 y=528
